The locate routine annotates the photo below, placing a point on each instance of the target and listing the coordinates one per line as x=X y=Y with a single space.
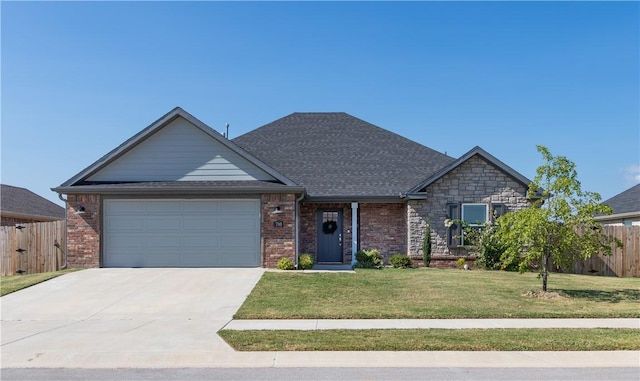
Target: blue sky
x=79 y=78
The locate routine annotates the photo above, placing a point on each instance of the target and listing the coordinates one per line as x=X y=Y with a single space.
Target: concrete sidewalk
x=320 y=324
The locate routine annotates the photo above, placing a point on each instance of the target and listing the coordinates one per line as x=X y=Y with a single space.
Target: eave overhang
x=178 y=188
x=348 y=199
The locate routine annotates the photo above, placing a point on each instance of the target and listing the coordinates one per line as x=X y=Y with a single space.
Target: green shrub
x=305 y=261
x=369 y=259
x=400 y=261
x=460 y=263
x=426 y=245
x=285 y=264
x=486 y=245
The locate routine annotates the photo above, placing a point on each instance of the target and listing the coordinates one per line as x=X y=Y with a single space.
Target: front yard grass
x=601 y=339
x=13 y=283
x=434 y=293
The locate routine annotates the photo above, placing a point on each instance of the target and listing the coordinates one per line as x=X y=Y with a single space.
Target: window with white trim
x=475 y=214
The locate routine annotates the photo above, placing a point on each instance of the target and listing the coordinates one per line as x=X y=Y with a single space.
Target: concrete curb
x=324 y=324
x=453 y=359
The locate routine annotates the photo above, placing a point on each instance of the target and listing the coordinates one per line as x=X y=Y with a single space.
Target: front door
x=329 y=236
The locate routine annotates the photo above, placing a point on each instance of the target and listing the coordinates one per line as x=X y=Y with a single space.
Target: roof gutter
x=362 y=199
x=617 y=216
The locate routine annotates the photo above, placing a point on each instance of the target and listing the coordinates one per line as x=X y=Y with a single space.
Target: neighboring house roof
x=81 y=183
x=624 y=205
x=454 y=164
x=334 y=155
x=21 y=202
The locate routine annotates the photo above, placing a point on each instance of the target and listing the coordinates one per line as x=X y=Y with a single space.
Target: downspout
x=66 y=241
x=297 y=227
x=354 y=233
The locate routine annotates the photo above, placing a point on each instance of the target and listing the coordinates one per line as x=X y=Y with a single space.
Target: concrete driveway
x=123 y=317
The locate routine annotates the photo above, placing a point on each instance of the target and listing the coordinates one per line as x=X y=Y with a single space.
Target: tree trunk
x=545 y=260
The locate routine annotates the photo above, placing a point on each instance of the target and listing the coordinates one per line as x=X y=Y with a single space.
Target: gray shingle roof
x=625 y=202
x=336 y=155
x=21 y=201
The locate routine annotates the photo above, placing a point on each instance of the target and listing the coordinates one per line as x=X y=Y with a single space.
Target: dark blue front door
x=329 y=236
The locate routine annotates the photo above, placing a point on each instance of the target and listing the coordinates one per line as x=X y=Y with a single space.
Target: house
x=626 y=208
x=20 y=206
x=179 y=194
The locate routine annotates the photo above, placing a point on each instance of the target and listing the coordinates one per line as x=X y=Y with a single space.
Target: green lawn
x=433 y=293
x=436 y=340
x=9 y=284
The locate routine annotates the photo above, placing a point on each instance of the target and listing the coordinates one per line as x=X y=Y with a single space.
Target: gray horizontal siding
x=180 y=152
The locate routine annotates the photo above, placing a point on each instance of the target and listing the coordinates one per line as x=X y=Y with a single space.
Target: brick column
x=278 y=229
x=83 y=231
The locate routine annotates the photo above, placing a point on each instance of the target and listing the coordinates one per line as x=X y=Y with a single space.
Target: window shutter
x=453 y=231
x=497 y=210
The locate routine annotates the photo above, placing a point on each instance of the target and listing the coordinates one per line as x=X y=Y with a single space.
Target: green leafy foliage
x=559 y=227
x=486 y=245
x=285 y=264
x=460 y=262
x=426 y=245
x=305 y=261
x=400 y=261
x=369 y=259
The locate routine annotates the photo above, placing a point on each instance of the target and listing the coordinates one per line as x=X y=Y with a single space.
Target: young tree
x=559 y=227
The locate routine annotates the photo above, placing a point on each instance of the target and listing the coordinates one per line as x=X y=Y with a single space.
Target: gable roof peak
x=156 y=126
x=477 y=150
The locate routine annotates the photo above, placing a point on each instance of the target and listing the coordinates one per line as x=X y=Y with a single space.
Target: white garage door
x=181 y=233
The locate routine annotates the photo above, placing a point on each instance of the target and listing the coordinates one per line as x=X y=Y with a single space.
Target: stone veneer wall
x=277 y=242
x=474 y=181
x=83 y=231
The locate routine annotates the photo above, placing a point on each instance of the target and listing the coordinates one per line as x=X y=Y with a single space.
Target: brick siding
x=381 y=226
x=83 y=231
x=278 y=242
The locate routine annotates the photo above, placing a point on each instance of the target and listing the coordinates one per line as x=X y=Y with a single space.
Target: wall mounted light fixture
x=277 y=210
x=80 y=210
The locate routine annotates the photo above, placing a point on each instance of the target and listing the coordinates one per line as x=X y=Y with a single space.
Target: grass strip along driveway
x=600 y=339
x=437 y=294
x=13 y=283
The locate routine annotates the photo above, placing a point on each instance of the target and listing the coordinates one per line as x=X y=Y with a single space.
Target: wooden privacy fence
x=32 y=248
x=623 y=262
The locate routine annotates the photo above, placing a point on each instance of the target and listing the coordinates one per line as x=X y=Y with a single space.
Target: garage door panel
x=132 y=260
x=163 y=222
x=181 y=233
x=233 y=224
x=202 y=207
x=163 y=207
x=211 y=241
x=161 y=260
x=237 y=241
x=123 y=222
x=232 y=207
x=199 y=223
x=135 y=208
